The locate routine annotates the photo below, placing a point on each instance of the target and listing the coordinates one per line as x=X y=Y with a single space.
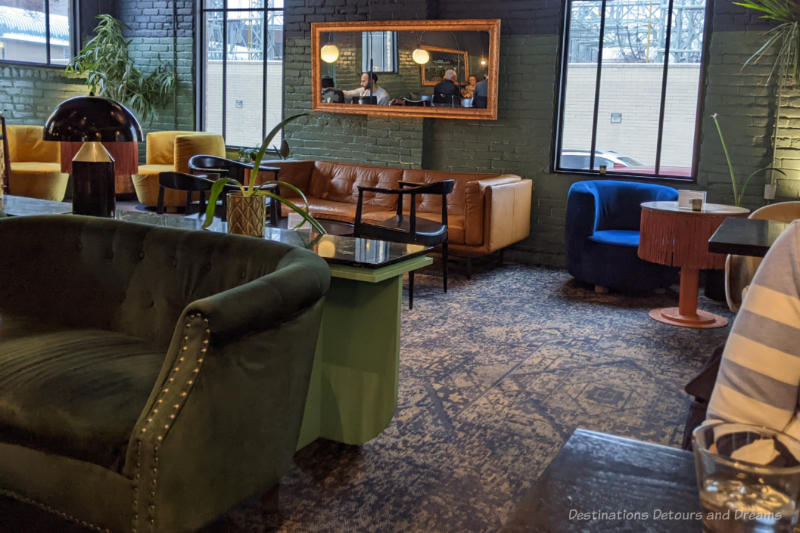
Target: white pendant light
x=420 y=56
x=329 y=53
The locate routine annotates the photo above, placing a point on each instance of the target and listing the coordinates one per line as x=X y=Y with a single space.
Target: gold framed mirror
x=428 y=68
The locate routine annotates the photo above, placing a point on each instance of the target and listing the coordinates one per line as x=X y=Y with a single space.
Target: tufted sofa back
x=135 y=279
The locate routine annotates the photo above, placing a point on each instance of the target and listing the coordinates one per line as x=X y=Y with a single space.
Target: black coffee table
x=745 y=236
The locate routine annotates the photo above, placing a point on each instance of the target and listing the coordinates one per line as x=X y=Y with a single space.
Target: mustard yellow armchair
x=34 y=164
x=169 y=151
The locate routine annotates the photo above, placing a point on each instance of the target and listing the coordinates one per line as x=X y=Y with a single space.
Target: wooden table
x=679 y=237
x=745 y=236
x=601 y=482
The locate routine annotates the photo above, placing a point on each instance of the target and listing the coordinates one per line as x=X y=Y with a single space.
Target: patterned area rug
x=494 y=377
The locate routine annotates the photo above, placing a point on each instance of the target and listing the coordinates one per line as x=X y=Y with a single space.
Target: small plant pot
x=247 y=215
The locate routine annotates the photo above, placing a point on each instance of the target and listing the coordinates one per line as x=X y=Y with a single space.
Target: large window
x=380 y=51
x=241 y=68
x=630 y=85
x=36 y=31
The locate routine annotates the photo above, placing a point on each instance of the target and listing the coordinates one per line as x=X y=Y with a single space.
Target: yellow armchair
x=169 y=151
x=35 y=164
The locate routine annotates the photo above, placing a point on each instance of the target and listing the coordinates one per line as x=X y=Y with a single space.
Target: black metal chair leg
x=469 y=268
x=160 y=203
x=411 y=289
x=444 y=264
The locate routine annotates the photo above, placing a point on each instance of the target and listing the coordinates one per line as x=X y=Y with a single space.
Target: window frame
x=366 y=36
x=73 y=16
x=200 y=11
x=560 y=97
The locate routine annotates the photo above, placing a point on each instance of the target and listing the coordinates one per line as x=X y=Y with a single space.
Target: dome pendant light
x=420 y=56
x=329 y=53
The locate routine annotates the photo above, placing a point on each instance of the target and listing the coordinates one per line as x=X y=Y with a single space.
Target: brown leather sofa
x=485 y=212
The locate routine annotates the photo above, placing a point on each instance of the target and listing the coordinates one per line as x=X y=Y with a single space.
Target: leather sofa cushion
x=298 y=173
x=339 y=182
x=456 y=200
x=73 y=392
x=618 y=237
x=331 y=210
x=455 y=223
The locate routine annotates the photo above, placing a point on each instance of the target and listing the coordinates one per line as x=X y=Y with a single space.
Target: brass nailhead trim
x=184 y=393
x=53 y=510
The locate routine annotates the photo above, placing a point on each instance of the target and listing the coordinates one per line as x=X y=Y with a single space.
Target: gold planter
x=247 y=215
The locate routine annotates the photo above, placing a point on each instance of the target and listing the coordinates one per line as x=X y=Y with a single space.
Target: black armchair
x=220 y=167
x=407 y=227
x=183 y=182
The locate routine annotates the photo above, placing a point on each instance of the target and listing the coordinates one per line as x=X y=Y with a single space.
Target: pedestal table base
x=701 y=319
x=687 y=314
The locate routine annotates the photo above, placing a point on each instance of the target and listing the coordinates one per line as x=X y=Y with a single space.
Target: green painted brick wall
x=29 y=94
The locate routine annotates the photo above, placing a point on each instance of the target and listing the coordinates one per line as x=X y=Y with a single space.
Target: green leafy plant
x=784 y=38
x=251 y=190
x=112 y=73
x=738 y=190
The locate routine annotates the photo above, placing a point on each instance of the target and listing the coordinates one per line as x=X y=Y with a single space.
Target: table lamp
x=92 y=120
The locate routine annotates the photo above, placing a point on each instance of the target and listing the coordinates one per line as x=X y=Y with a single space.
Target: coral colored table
x=679 y=237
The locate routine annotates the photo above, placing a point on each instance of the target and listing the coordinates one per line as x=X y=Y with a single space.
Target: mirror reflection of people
x=369 y=89
x=446 y=91
x=481 y=93
x=468 y=90
x=330 y=94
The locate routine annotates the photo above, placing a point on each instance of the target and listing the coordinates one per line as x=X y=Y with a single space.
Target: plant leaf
x=213 y=196
x=264 y=145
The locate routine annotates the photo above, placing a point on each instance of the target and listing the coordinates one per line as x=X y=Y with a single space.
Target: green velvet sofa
x=150 y=378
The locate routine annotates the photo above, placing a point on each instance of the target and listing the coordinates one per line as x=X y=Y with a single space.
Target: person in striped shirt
x=759 y=377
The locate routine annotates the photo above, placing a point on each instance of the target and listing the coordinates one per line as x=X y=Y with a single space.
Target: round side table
x=679 y=237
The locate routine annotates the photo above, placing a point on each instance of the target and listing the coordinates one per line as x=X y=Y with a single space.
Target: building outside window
x=37 y=31
x=241 y=69
x=630 y=87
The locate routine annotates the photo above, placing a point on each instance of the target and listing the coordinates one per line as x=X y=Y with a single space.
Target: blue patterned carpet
x=494 y=377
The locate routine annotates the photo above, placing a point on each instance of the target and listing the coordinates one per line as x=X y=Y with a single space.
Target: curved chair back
x=740 y=269
x=612 y=206
x=187 y=146
x=25 y=144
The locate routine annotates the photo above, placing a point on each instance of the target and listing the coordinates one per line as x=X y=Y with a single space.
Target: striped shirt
x=759 y=376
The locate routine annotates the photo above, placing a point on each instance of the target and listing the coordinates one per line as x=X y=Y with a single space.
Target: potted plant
x=247 y=212
x=738 y=190
x=112 y=73
x=784 y=38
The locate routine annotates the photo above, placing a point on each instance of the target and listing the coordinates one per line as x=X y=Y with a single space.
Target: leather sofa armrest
x=507 y=210
x=478 y=213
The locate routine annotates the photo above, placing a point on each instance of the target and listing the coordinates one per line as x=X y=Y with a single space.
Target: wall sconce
x=420 y=56
x=329 y=53
x=483 y=62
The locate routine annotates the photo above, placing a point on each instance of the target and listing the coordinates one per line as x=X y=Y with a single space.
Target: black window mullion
x=264 y=54
x=47 y=30
x=661 y=110
x=565 y=49
x=224 y=71
x=597 y=84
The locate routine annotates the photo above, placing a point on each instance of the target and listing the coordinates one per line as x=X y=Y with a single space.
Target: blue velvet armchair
x=602 y=235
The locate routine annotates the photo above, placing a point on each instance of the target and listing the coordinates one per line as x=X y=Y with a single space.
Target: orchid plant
x=250 y=189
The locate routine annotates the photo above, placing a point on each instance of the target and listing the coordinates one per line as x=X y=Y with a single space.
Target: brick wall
x=158 y=29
